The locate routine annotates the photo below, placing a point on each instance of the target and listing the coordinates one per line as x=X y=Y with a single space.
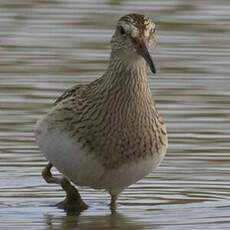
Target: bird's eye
x=122 y=30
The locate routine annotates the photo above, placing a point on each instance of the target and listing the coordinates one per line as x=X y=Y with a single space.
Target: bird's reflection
x=96 y=222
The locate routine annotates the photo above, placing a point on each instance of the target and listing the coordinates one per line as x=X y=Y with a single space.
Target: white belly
x=82 y=167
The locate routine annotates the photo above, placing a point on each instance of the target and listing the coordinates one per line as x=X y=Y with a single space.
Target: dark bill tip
x=143 y=51
x=148 y=59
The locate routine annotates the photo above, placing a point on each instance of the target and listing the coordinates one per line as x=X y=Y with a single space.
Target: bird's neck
x=128 y=75
x=125 y=88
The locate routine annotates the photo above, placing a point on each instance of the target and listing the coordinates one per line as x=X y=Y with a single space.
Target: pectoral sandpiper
x=107 y=134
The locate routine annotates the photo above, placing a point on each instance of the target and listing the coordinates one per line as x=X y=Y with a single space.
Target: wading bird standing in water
x=107 y=134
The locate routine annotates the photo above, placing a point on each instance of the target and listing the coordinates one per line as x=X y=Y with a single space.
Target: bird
x=107 y=134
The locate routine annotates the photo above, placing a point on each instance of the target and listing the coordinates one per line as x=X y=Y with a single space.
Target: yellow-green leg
x=113 y=201
x=73 y=200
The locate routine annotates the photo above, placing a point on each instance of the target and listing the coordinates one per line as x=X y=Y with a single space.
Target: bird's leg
x=113 y=204
x=73 y=200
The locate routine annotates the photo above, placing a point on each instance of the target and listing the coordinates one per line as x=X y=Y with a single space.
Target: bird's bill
x=143 y=51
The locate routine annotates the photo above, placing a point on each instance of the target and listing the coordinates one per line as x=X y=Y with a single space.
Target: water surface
x=47 y=46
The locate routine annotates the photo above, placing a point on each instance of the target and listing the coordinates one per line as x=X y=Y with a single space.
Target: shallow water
x=47 y=46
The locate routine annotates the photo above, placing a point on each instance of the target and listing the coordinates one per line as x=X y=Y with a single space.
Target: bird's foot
x=73 y=200
x=113 y=203
x=113 y=207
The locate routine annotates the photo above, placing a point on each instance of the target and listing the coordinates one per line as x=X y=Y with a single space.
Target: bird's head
x=133 y=37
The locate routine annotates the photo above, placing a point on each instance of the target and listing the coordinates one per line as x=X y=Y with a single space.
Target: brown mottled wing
x=79 y=91
x=68 y=93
